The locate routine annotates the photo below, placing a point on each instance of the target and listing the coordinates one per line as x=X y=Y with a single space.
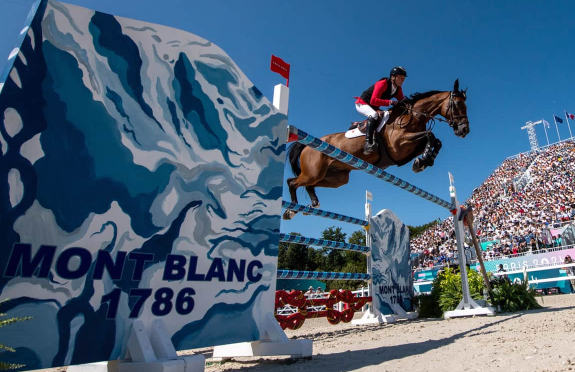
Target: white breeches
x=366 y=110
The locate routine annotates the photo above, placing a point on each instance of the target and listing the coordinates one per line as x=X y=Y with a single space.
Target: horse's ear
x=456 y=86
x=464 y=91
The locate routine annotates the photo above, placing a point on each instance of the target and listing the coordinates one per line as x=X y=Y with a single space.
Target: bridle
x=449 y=119
x=452 y=121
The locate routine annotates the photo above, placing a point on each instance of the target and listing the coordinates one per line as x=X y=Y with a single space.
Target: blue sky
x=516 y=58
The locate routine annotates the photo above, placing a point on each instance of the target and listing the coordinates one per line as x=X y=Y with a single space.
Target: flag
x=558 y=120
x=570 y=116
x=545 y=122
x=278 y=65
x=368 y=196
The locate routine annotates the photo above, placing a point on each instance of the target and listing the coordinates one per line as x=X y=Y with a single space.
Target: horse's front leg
x=436 y=147
x=430 y=152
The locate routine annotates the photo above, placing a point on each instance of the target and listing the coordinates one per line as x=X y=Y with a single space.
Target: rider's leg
x=370 y=144
x=372 y=116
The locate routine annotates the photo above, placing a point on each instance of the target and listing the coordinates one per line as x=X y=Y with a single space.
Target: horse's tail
x=293 y=154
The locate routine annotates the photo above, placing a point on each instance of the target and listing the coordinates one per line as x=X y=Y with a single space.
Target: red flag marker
x=278 y=65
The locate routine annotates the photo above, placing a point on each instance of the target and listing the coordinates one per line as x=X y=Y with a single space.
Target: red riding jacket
x=381 y=95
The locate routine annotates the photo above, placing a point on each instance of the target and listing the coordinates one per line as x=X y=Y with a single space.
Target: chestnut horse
x=404 y=137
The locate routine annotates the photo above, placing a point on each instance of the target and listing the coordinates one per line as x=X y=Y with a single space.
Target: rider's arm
x=378 y=90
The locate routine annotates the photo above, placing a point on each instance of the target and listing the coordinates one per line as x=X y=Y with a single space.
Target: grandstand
x=525 y=207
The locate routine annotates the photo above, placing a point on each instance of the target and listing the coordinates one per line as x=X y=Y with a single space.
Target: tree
x=415 y=231
x=300 y=257
x=357 y=237
x=334 y=257
x=355 y=262
x=292 y=256
x=315 y=259
x=282 y=255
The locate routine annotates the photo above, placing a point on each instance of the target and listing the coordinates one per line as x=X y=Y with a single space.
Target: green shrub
x=3 y=323
x=451 y=293
x=510 y=297
x=446 y=293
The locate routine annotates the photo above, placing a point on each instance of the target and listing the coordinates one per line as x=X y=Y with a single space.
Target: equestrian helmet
x=398 y=70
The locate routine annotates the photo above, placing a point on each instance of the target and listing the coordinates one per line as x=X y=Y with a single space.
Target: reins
x=432 y=118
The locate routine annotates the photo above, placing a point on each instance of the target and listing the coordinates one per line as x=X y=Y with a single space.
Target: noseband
x=452 y=120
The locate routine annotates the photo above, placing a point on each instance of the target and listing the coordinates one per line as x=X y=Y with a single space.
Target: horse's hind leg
x=313 y=170
x=333 y=178
x=288 y=213
x=312 y=195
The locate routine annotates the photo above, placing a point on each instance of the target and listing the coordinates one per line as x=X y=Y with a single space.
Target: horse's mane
x=412 y=99
x=418 y=96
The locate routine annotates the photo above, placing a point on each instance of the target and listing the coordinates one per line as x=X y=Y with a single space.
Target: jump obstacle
x=467 y=306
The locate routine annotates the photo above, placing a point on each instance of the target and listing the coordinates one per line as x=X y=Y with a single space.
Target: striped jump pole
x=295 y=134
x=322 y=213
x=297 y=239
x=323 y=275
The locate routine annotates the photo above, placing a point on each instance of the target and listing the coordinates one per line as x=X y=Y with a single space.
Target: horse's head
x=455 y=111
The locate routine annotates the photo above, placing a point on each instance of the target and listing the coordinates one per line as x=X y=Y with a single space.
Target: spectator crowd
x=520 y=207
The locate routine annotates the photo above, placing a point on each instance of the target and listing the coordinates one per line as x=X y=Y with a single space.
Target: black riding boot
x=370 y=144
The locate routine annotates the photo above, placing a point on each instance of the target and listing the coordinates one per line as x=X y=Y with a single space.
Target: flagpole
x=568 y=125
x=556 y=127
x=546 y=136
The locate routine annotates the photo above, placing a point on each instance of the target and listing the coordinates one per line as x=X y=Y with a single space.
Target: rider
x=379 y=94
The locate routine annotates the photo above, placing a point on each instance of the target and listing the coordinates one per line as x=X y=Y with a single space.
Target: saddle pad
x=356 y=132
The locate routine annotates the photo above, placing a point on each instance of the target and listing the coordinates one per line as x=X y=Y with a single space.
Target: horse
x=404 y=137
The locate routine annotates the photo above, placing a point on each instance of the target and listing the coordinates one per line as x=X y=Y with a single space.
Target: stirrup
x=368 y=148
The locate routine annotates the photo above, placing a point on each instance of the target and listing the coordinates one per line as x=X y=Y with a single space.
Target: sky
x=516 y=58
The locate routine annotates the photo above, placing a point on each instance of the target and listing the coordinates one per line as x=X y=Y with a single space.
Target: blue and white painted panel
x=141 y=177
x=391 y=266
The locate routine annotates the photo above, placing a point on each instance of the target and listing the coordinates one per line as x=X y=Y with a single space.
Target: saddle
x=360 y=125
x=358 y=128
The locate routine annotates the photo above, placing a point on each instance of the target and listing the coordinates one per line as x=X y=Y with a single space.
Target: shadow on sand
x=357 y=359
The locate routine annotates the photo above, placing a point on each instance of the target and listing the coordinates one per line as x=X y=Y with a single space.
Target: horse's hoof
x=288 y=214
x=418 y=166
x=310 y=206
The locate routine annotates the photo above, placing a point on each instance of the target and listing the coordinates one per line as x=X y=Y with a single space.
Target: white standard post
x=545 y=129
x=368 y=198
x=281 y=98
x=468 y=306
x=568 y=125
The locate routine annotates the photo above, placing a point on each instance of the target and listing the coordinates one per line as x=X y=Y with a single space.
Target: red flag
x=278 y=65
x=571 y=116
